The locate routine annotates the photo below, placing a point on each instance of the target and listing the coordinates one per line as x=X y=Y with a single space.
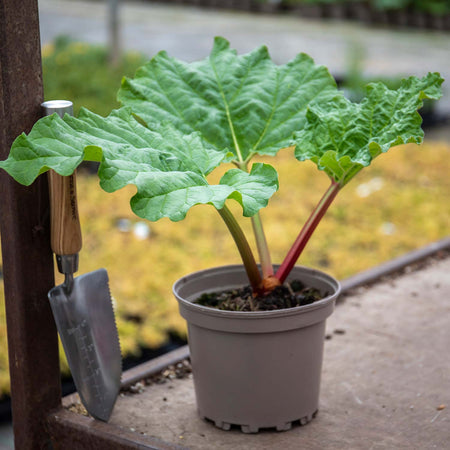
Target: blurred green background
x=397 y=205
x=438 y=7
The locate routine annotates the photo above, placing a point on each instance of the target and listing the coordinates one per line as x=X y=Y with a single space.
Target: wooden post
x=25 y=234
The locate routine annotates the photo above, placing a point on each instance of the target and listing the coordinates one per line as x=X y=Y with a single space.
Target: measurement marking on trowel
x=87 y=348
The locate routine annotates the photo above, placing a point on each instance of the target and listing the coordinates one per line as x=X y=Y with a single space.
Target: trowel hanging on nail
x=82 y=306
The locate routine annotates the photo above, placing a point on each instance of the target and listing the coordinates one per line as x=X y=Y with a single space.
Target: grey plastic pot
x=255 y=369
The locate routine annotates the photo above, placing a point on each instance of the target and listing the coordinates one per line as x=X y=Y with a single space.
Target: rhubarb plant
x=180 y=121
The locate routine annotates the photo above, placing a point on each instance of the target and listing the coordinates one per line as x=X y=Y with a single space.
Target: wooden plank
x=77 y=432
x=24 y=229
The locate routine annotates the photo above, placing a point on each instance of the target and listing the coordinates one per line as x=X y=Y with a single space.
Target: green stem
x=244 y=248
x=263 y=249
x=307 y=231
x=260 y=237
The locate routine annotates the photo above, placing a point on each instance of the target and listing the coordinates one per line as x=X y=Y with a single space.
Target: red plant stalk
x=306 y=232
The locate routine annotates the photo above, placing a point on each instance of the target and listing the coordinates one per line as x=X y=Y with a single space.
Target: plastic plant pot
x=257 y=369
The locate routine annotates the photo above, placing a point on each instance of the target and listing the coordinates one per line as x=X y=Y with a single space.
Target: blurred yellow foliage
x=397 y=205
x=47 y=50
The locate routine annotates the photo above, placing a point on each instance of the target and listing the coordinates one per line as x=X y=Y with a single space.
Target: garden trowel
x=82 y=306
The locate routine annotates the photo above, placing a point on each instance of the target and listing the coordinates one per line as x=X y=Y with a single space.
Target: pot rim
x=181 y=282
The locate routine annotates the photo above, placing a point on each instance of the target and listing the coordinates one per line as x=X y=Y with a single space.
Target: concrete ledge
x=385 y=379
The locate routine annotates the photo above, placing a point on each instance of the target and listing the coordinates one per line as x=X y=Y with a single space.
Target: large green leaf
x=172 y=194
x=168 y=168
x=242 y=103
x=342 y=137
x=180 y=121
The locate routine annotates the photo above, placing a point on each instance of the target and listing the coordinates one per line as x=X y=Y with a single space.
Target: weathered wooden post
x=24 y=229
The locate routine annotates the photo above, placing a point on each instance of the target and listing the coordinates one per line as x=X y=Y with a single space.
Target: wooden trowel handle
x=65 y=222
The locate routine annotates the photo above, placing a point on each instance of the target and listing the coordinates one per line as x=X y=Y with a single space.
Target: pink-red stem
x=306 y=232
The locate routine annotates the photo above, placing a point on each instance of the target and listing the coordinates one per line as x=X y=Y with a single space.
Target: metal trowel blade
x=85 y=321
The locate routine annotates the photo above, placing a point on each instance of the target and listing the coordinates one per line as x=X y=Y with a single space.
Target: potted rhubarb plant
x=256 y=330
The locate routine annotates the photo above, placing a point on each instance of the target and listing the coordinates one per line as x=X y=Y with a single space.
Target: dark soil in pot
x=289 y=295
